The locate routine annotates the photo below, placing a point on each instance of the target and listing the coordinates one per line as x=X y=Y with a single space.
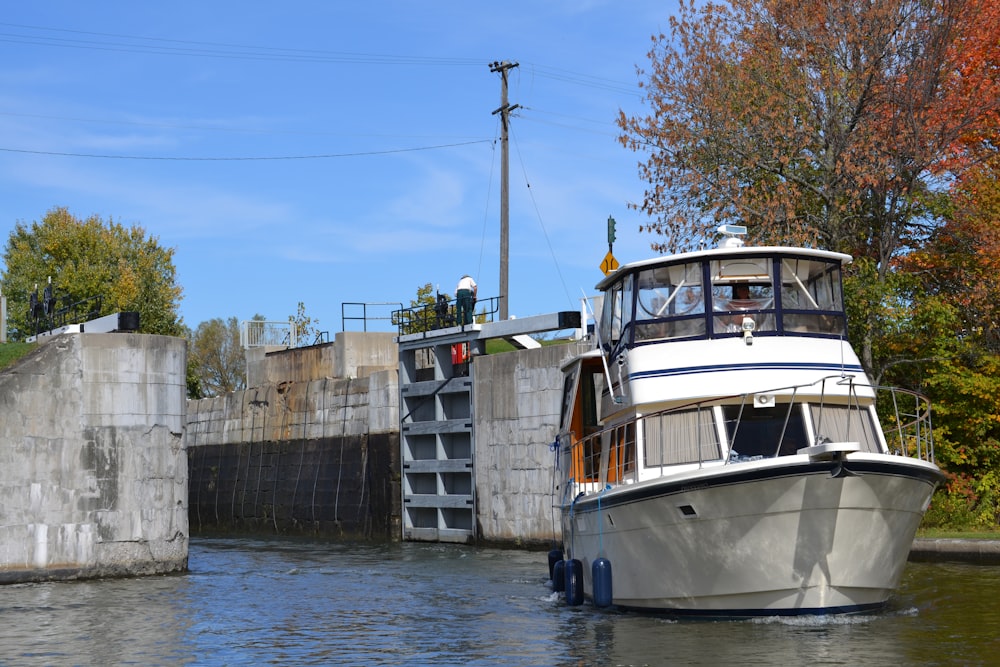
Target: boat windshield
x=764 y=432
x=811 y=297
x=671 y=302
x=723 y=296
x=742 y=291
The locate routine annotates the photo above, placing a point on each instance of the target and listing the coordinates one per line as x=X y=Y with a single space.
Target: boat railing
x=591 y=467
x=687 y=435
x=906 y=422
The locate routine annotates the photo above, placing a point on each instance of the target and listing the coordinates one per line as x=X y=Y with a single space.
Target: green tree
x=422 y=315
x=216 y=358
x=127 y=269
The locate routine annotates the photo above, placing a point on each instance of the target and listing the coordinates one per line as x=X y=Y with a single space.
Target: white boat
x=721 y=450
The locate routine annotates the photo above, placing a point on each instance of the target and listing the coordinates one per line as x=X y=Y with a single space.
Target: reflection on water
x=248 y=601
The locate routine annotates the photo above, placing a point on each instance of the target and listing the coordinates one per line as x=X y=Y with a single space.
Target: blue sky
x=332 y=152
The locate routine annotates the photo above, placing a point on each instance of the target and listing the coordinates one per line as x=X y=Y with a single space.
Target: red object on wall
x=459 y=353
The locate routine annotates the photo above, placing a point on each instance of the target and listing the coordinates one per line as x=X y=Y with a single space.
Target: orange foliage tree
x=822 y=123
x=869 y=127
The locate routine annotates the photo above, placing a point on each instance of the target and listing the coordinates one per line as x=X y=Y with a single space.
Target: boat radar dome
x=733 y=235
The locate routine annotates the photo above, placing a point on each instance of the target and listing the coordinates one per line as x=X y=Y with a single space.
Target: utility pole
x=504 y=111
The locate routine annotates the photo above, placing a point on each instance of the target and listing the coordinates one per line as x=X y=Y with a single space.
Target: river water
x=306 y=602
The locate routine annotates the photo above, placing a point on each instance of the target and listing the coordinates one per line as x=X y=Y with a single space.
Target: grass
x=499 y=345
x=935 y=533
x=11 y=352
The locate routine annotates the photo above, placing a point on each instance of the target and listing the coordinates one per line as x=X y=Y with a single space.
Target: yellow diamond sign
x=609 y=264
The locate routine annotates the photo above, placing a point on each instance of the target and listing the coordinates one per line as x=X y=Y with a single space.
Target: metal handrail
x=259 y=333
x=365 y=318
x=441 y=314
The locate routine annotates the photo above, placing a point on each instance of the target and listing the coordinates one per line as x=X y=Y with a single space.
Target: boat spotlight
x=748 y=327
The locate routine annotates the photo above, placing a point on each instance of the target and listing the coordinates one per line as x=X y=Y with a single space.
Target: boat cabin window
x=616 y=316
x=621 y=453
x=842 y=423
x=742 y=290
x=685 y=436
x=670 y=302
x=757 y=433
x=811 y=296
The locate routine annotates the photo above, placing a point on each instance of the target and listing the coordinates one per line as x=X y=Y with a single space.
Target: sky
x=333 y=153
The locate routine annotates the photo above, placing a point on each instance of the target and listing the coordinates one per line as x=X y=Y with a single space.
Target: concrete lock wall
x=517 y=399
x=311 y=453
x=93 y=472
x=352 y=354
x=317 y=456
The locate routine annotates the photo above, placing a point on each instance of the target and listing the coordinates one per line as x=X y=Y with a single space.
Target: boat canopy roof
x=698 y=255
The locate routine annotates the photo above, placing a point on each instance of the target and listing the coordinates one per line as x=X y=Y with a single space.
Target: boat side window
x=627 y=306
x=756 y=433
x=611 y=317
x=616 y=318
x=742 y=289
x=842 y=423
x=621 y=457
x=684 y=436
x=811 y=296
x=670 y=302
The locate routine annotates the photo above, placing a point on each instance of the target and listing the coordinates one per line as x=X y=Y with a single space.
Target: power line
x=177 y=47
x=248 y=158
x=585 y=80
x=191 y=48
x=541 y=223
x=219 y=128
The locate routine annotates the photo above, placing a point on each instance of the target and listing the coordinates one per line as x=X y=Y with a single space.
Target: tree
x=961 y=259
x=818 y=123
x=424 y=312
x=216 y=358
x=91 y=258
x=826 y=124
x=306 y=332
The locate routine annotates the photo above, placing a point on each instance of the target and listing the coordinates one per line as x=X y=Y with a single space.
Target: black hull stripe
x=725 y=478
x=738 y=614
x=720 y=368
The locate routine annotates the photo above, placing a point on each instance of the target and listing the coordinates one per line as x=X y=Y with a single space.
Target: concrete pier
x=937 y=550
x=93 y=472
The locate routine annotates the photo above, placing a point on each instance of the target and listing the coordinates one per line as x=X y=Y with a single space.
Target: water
x=299 y=602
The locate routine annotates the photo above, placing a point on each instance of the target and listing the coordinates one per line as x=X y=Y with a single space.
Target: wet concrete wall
x=93 y=472
x=317 y=457
x=328 y=486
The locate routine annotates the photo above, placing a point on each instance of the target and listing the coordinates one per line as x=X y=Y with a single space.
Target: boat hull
x=783 y=536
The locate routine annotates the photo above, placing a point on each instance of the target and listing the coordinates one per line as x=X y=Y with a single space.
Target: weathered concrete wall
x=319 y=456
x=516 y=408
x=93 y=472
x=361 y=353
x=353 y=354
